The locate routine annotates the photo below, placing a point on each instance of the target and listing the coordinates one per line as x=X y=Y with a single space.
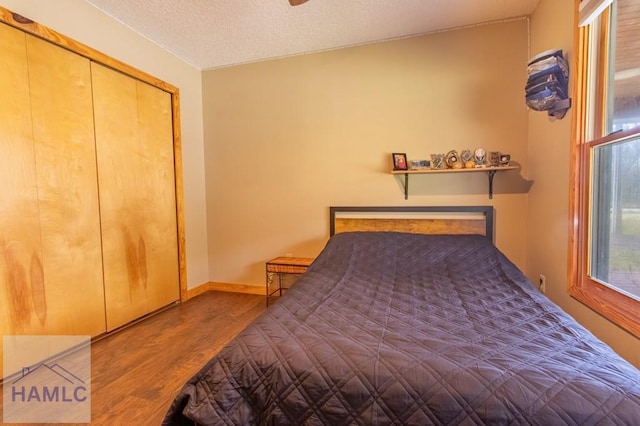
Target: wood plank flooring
x=137 y=372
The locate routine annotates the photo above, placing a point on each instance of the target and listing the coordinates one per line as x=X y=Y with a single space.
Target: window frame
x=587 y=133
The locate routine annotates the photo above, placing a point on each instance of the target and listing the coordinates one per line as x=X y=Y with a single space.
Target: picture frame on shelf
x=420 y=164
x=494 y=158
x=400 y=161
x=438 y=161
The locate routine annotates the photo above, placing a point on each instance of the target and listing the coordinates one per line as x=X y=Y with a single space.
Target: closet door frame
x=47 y=34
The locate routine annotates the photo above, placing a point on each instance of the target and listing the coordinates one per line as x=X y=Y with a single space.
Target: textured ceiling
x=218 y=33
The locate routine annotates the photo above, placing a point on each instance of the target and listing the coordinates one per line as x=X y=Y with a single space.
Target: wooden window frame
x=619 y=308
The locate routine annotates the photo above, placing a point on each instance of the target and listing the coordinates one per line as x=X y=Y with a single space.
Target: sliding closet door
x=22 y=301
x=134 y=140
x=62 y=111
x=50 y=252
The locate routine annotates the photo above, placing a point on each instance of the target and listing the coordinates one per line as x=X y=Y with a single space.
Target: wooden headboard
x=417 y=220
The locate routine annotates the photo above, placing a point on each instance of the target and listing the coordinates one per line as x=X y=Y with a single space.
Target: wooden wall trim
x=578 y=136
x=233 y=288
x=177 y=159
x=196 y=291
x=31 y=27
x=27 y=25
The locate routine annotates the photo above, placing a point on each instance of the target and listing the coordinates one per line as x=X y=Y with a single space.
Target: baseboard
x=233 y=288
x=238 y=288
x=195 y=291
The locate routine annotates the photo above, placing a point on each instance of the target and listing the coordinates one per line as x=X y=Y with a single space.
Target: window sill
x=618 y=308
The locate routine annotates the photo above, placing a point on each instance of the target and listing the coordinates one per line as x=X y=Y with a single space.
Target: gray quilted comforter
x=390 y=328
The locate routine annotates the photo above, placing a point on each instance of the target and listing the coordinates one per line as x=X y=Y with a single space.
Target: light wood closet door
x=50 y=252
x=62 y=110
x=20 y=249
x=134 y=140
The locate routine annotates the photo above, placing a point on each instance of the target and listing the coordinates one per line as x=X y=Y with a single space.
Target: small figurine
x=480 y=157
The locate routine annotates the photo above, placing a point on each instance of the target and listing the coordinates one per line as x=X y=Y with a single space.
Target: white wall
x=86 y=24
x=286 y=139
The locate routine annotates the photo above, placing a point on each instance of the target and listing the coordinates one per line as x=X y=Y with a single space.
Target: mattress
x=395 y=328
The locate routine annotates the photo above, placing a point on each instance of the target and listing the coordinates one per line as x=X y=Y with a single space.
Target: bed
x=430 y=324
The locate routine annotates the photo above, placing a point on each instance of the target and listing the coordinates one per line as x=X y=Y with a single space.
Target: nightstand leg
x=269 y=281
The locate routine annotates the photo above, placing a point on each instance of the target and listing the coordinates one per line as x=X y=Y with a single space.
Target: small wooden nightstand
x=284 y=266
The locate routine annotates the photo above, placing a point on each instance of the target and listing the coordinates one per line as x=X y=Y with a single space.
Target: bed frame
x=477 y=220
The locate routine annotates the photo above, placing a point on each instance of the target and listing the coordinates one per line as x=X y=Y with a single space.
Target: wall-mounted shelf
x=491 y=171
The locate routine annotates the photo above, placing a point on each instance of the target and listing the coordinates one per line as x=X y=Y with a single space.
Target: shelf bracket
x=491 y=175
x=406 y=186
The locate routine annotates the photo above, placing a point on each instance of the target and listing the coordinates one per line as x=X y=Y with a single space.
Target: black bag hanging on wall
x=547 y=86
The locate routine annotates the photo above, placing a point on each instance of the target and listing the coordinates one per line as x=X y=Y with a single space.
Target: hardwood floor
x=137 y=372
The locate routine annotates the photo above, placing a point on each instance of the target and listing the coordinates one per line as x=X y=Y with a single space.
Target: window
x=605 y=237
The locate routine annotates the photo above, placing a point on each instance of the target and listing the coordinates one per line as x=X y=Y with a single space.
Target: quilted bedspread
x=392 y=328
